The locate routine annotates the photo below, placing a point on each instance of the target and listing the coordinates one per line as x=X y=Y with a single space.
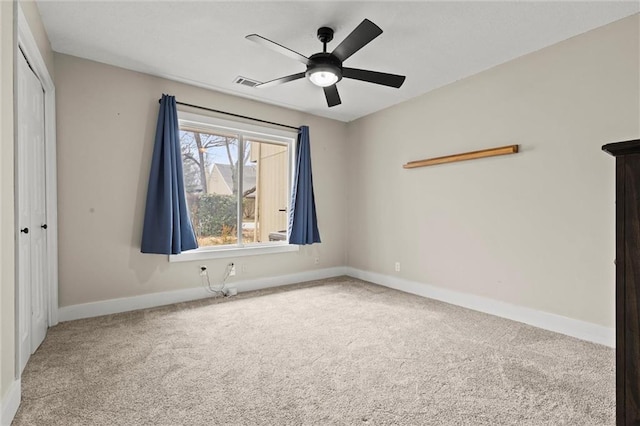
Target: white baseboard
x=557 y=323
x=114 y=306
x=10 y=403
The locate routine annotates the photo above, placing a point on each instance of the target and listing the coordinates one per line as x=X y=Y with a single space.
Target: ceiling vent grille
x=244 y=81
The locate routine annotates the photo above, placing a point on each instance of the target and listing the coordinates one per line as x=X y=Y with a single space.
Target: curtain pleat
x=167 y=228
x=303 y=223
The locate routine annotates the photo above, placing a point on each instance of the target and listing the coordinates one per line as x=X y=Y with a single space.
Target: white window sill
x=221 y=253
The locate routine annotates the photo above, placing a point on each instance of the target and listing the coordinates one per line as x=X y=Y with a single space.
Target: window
x=237 y=180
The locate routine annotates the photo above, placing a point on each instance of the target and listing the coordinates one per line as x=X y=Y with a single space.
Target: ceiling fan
x=325 y=69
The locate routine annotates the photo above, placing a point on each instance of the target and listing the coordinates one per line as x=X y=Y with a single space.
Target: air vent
x=246 y=81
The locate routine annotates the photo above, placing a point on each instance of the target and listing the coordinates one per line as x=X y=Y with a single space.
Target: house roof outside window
x=225 y=171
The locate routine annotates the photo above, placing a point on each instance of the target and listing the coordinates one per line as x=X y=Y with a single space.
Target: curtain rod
x=234 y=115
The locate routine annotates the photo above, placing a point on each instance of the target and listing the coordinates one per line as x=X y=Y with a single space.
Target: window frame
x=244 y=131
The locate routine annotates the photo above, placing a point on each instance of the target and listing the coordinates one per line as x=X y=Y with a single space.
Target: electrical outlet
x=397 y=266
x=232 y=271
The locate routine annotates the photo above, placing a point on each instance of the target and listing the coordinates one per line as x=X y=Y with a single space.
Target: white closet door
x=24 y=215
x=32 y=244
x=39 y=315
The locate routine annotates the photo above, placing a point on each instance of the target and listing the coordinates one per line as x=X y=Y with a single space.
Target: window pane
x=210 y=167
x=215 y=158
x=265 y=195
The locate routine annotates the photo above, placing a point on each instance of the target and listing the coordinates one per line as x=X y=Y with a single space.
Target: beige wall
x=535 y=229
x=7 y=314
x=106 y=124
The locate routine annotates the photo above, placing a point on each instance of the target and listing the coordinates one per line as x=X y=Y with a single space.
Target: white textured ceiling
x=202 y=43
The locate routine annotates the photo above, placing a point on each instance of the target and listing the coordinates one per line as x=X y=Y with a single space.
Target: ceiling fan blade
x=331 y=93
x=360 y=37
x=281 y=80
x=391 y=80
x=278 y=48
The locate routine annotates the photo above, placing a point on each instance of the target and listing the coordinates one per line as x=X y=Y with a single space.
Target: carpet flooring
x=332 y=352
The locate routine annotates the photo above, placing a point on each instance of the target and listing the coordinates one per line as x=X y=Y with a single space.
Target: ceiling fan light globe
x=323 y=78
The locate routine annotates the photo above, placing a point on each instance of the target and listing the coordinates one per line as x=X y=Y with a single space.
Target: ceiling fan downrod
x=325 y=35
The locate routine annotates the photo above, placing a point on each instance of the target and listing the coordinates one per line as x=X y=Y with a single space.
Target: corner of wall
x=7 y=264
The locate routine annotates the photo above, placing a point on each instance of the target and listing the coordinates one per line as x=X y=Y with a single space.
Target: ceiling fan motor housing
x=324 y=62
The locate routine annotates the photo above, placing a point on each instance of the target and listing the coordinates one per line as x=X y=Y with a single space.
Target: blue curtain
x=167 y=228
x=303 y=224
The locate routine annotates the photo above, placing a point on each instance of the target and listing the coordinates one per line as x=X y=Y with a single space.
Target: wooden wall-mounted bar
x=491 y=152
